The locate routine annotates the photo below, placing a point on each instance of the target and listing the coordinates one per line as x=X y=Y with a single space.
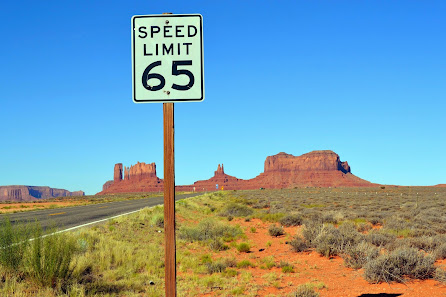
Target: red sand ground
x=310 y=267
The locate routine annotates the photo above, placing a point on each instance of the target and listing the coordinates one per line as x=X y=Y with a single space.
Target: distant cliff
x=30 y=193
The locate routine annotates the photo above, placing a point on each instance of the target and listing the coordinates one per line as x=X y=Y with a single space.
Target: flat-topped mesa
x=31 y=193
x=312 y=161
x=117 y=173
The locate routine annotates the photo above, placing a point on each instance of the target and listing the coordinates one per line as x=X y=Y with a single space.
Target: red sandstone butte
x=140 y=177
x=314 y=169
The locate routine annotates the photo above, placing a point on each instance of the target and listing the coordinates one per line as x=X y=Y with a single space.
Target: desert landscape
x=363 y=241
x=219 y=149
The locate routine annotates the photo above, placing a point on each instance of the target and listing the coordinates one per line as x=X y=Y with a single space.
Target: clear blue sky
x=366 y=79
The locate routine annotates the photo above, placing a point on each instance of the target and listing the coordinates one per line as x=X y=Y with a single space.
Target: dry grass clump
x=305 y=290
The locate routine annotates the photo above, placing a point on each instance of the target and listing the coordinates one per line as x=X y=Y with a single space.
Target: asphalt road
x=69 y=217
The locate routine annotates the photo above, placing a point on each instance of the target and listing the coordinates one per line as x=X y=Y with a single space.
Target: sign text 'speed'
x=178 y=31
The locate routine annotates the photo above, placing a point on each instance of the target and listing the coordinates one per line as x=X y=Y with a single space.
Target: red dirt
x=335 y=279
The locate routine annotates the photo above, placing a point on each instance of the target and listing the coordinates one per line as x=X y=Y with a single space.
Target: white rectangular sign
x=167 y=58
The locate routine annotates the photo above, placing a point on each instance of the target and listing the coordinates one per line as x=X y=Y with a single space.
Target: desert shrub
x=236 y=210
x=440 y=275
x=305 y=290
x=332 y=241
x=311 y=230
x=219 y=266
x=243 y=247
x=13 y=244
x=298 y=244
x=268 y=262
x=328 y=218
x=209 y=229
x=245 y=264
x=379 y=238
x=328 y=240
x=286 y=267
x=375 y=220
x=291 y=220
x=356 y=256
x=440 y=252
x=215 y=267
x=400 y=263
x=217 y=245
x=275 y=230
x=261 y=204
x=50 y=257
x=362 y=227
x=398 y=243
x=397 y=226
x=427 y=243
x=158 y=220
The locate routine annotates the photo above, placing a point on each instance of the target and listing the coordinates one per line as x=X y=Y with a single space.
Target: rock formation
x=140 y=177
x=117 y=172
x=30 y=193
x=314 y=169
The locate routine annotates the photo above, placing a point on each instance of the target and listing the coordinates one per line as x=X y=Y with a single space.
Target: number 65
x=146 y=76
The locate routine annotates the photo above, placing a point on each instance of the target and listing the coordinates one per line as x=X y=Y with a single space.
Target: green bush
x=13 y=243
x=209 y=229
x=236 y=210
x=291 y=220
x=243 y=247
x=217 y=245
x=298 y=244
x=400 y=263
x=215 y=267
x=305 y=290
x=245 y=264
x=286 y=267
x=158 y=220
x=50 y=257
x=275 y=230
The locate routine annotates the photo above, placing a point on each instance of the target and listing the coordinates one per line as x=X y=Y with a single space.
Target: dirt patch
x=329 y=276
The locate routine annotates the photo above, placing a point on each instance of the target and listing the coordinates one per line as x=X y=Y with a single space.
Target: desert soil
x=329 y=276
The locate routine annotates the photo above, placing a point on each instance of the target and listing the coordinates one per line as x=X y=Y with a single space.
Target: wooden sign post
x=167 y=56
x=169 y=200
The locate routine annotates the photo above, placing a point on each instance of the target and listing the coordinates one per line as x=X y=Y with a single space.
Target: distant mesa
x=314 y=169
x=32 y=193
x=441 y=185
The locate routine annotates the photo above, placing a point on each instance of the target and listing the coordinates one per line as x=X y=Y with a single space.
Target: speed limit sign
x=167 y=58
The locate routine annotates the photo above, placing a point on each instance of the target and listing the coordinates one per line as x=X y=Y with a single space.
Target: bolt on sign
x=167 y=58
